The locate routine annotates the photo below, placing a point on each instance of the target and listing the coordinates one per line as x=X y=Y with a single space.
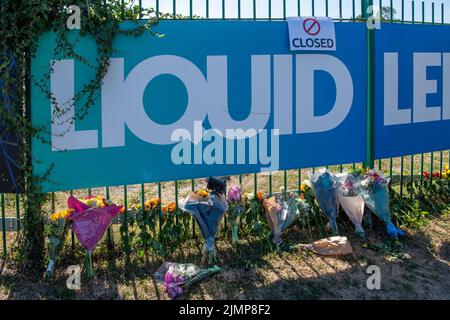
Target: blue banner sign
x=412 y=85
x=209 y=98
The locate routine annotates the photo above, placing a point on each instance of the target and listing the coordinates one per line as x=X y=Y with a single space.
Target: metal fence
x=402 y=169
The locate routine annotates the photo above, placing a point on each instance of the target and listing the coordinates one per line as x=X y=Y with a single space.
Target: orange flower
x=172 y=206
x=122 y=210
x=202 y=193
x=260 y=196
x=165 y=208
x=152 y=203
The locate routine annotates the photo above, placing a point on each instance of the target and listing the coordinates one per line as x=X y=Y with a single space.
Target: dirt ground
x=418 y=268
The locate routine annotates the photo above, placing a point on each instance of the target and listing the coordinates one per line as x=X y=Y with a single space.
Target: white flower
x=251 y=196
x=365 y=182
x=306 y=182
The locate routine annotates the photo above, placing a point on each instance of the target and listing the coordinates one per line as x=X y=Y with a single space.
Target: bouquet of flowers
x=235 y=210
x=207 y=209
x=374 y=190
x=90 y=219
x=324 y=185
x=56 y=231
x=351 y=202
x=178 y=277
x=282 y=213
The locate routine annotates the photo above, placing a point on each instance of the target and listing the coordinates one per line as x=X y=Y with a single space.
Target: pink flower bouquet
x=89 y=223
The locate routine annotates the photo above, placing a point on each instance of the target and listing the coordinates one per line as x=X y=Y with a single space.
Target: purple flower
x=234 y=194
x=173 y=284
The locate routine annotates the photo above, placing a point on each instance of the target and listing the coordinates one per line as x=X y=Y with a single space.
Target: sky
x=231 y=11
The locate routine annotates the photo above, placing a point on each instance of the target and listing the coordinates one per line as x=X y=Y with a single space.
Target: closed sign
x=311 y=33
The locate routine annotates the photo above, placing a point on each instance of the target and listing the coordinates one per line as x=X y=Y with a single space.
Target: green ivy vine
x=21 y=25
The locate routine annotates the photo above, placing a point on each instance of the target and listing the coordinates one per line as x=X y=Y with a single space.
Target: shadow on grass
x=410 y=270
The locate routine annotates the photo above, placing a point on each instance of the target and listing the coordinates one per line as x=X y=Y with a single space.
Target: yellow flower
x=60 y=215
x=446 y=168
x=202 y=193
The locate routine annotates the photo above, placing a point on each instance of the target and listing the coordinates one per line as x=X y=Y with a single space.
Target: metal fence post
x=369 y=163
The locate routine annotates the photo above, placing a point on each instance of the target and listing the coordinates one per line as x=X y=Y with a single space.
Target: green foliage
x=158 y=231
x=21 y=25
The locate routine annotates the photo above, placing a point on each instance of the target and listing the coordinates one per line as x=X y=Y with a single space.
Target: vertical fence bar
x=270 y=9
x=381 y=8
x=431 y=165
x=174 y=8
x=223 y=9
x=312 y=8
x=270 y=183
x=390 y=168
x=52 y=196
x=2 y=203
x=423 y=12
x=370 y=87
x=125 y=218
x=193 y=220
x=207 y=9
x=402 y=158
x=401 y=176
x=421 y=169
x=239 y=9
x=298 y=8
x=353 y=10
x=432 y=12
x=254 y=9
x=413 y=12
x=299 y=182
x=18 y=211
x=176 y=199
x=340 y=10
x=72 y=236
x=160 y=207
x=143 y=197
x=108 y=234
x=432 y=153
x=391 y=10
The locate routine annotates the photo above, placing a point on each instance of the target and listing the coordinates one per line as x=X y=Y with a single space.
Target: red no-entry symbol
x=311 y=26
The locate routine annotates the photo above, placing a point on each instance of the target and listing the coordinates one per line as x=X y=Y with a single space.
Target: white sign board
x=311 y=33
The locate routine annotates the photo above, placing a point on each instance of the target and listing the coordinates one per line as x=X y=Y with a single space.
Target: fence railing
x=402 y=169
